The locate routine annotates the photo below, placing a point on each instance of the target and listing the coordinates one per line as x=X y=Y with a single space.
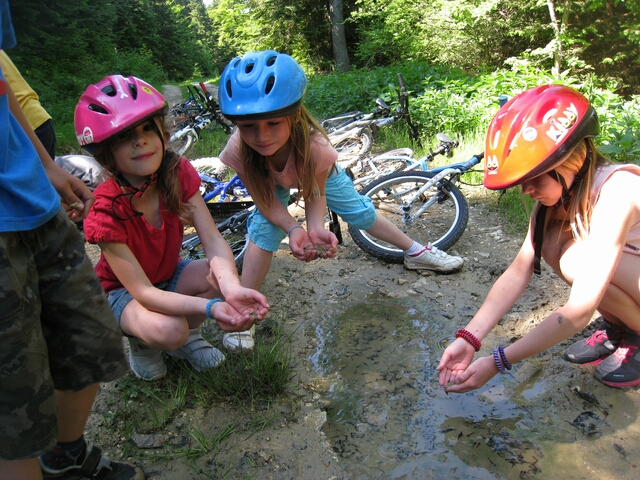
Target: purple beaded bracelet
x=503 y=357
x=496 y=360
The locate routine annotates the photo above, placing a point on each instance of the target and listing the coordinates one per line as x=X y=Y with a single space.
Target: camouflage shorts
x=56 y=332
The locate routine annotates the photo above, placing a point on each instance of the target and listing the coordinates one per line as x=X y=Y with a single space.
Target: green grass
x=246 y=379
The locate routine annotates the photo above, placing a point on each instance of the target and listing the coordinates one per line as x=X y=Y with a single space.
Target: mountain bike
x=188 y=131
x=352 y=133
x=369 y=168
x=426 y=205
x=233 y=229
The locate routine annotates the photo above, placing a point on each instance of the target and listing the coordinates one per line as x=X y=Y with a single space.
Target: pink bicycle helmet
x=533 y=131
x=113 y=105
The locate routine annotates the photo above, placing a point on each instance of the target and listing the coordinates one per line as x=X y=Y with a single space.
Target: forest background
x=457 y=56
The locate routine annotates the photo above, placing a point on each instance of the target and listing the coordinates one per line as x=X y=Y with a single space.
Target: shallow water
x=389 y=418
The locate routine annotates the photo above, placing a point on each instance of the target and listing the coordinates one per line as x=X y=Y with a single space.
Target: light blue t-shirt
x=27 y=198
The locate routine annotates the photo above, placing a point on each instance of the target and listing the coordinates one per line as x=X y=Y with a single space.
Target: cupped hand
x=301 y=245
x=325 y=241
x=229 y=319
x=475 y=376
x=249 y=305
x=455 y=359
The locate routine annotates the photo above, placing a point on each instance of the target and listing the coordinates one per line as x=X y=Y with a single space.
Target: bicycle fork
x=406 y=205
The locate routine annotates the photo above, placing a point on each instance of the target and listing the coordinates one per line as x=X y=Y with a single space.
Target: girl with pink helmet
x=138 y=221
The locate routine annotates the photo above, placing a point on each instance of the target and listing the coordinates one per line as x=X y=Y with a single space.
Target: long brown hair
x=580 y=207
x=302 y=128
x=168 y=180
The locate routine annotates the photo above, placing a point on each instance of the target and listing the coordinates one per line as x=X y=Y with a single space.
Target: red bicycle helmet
x=533 y=131
x=113 y=105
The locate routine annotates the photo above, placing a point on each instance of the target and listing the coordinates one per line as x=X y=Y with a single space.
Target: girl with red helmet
x=279 y=146
x=138 y=220
x=586 y=226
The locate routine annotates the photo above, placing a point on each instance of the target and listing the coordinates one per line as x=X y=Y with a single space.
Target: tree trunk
x=559 y=28
x=338 y=39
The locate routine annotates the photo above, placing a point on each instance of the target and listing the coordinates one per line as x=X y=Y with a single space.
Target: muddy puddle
x=387 y=417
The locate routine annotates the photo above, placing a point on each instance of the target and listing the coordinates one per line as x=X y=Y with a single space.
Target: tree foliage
x=63 y=45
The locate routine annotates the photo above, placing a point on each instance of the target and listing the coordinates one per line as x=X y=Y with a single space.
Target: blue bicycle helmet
x=260 y=85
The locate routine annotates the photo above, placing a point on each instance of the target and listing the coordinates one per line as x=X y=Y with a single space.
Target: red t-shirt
x=157 y=249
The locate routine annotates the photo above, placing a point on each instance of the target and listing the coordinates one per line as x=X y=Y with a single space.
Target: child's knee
x=174 y=334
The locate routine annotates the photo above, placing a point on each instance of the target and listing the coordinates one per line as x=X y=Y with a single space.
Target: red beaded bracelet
x=469 y=337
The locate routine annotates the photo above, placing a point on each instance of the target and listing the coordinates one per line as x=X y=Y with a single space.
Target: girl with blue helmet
x=278 y=146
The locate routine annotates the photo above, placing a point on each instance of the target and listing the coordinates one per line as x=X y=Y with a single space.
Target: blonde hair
x=580 y=206
x=168 y=180
x=302 y=128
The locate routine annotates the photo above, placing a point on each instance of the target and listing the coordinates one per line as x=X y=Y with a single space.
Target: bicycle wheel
x=441 y=223
x=350 y=149
x=182 y=145
x=233 y=230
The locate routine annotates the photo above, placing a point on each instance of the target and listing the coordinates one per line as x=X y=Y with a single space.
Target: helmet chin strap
x=566 y=191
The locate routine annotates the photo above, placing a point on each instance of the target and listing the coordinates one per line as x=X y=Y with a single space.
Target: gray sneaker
x=198 y=352
x=244 y=340
x=146 y=363
x=431 y=258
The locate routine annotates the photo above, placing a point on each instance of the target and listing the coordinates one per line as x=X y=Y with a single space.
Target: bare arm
x=504 y=293
x=248 y=302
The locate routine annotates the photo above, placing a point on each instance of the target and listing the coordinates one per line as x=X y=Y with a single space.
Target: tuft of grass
x=211 y=143
x=243 y=379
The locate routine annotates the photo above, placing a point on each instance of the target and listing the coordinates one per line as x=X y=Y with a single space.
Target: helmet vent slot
x=227 y=87
x=134 y=90
x=271 y=60
x=109 y=90
x=97 y=108
x=269 y=85
x=249 y=68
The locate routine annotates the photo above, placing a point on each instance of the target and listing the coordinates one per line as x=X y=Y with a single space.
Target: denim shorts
x=56 y=332
x=120 y=297
x=355 y=209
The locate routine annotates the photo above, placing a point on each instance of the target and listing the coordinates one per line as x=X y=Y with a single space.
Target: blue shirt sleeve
x=7 y=35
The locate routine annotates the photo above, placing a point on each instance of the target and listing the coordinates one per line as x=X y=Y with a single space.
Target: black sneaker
x=598 y=346
x=622 y=369
x=94 y=467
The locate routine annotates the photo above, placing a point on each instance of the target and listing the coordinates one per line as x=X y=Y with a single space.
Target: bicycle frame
x=453 y=171
x=230 y=195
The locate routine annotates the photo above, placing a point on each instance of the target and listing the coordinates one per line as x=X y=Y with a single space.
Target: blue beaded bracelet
x=496 y=360
x=293 y=228
x=503 y=357
x=210 y=304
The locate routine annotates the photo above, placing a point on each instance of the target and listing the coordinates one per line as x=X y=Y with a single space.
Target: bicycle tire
x=442 y=224
x=236 y=236
x=184 y=144
x=353 y=148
